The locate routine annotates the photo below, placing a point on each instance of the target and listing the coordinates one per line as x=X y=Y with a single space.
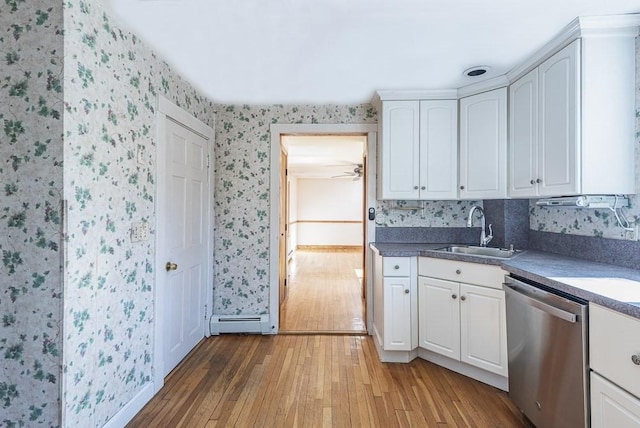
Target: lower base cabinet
x=464 y=322
x=612 y=406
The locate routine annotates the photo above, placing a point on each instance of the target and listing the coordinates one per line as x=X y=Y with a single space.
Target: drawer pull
x=636 y=359
x=458 y=271
x=396 y=267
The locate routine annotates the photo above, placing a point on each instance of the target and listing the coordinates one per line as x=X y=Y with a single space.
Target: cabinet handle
x=406 y=291
x=454 y=296
x=463 y=298
x=396 y=267
x=461 y=187
x=458 y=271
x=636 y=359
x=538 y=180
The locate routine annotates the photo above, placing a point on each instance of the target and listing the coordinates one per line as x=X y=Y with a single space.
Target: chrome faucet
x=484 y=238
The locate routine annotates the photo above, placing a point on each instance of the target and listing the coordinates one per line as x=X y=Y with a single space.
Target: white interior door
x=187 y=196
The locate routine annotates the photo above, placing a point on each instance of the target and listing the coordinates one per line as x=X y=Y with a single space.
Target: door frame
x=277 y=131
x=167 y=110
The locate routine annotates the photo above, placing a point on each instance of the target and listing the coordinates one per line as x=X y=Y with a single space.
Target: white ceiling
x=323 y=156
x=341 y=51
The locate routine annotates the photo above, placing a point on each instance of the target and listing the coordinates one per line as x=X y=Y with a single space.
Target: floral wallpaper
x=31 y=64
x=590 y=222
x=428 y=214
x=242 y=196
x=111 y=84
x=85 y=100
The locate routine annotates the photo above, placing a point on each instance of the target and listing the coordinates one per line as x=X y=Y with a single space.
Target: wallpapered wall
x=111 y=84
x=104 y=83
x=30 y=216
x=589 y=222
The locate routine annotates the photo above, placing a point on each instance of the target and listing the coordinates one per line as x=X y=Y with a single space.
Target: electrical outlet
x=633 y=235
x=139 y=231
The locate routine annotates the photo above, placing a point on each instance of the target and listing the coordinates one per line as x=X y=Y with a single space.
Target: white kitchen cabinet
x=612 y=406
x=397 y=308
x=462 y=321
x=439 y=316
x=483 y=328
x=614 y=358
x=395 y=303
x=399 y=172
x=483 y=145
x=523 y=136
x=418 y=152
x=571 y=122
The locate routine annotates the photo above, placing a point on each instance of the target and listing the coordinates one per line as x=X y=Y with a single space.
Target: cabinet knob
x=636 y=359
x=454 y=296
x=533 y=182
x=396 y=267
x=406 y=291
x=170 y=266
x=423 y=188
x=415 y=187
x=538 y=180
x=463 y=298
x=458 y=271
x=461 y=187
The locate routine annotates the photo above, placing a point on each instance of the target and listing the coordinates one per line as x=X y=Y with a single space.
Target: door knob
x=171 y=266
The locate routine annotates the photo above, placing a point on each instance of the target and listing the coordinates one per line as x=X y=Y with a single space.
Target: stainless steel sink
x=501 y=253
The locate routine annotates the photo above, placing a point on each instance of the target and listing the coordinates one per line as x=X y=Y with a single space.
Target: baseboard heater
x=240 y=324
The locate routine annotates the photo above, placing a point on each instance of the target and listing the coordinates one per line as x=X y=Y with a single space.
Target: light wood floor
x=325 y=294
x=317 y=381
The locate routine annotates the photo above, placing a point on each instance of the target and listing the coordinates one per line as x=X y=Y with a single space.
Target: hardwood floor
x=325 y=294
x=317 y=381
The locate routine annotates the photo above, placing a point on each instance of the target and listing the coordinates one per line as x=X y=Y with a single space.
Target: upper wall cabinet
x=418 y=154
x=572 y=121
x=483 y=145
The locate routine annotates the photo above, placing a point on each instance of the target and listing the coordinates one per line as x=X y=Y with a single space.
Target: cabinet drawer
x=396 y=266
x=613 y=339
x=470 y=273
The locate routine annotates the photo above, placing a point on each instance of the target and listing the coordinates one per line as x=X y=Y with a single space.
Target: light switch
x=141 y=154
x=139 y=231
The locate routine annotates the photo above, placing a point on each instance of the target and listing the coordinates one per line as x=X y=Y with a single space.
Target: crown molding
x=583 y=27
x=483 y=86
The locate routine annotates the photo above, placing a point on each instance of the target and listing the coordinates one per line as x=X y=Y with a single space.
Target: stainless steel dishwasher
x=547 y=348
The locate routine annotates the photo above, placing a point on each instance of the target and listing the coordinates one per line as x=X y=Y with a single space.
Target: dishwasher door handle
x=551 y=310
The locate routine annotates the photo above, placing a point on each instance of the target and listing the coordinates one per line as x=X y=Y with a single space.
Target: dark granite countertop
x=615 y=287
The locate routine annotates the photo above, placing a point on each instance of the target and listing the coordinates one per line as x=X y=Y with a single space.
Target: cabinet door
x=439 y=149
x=397 y=314
x=523 y=136
x=612 y=406
x=483 y=145
x=559 y=114
x=399 y=154
x=439 y=316
x=483 y=328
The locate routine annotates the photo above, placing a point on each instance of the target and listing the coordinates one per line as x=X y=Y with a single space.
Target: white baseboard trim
x=478 y=374
x=393 y=356
x=240 y=324
x=132 y=408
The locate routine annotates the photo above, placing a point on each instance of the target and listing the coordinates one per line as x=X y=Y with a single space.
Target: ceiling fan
x=356 y=174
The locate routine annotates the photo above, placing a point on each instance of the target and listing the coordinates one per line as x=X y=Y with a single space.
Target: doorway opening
x=322 y=234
